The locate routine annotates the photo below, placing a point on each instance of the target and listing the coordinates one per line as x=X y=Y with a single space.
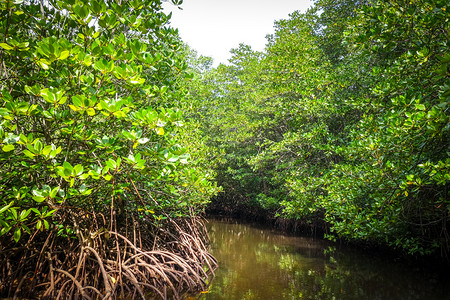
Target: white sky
x=214 y=27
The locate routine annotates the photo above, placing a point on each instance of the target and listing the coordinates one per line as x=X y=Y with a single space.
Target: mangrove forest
x=117 y=139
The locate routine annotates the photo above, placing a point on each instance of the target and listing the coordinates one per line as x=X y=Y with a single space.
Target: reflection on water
x=257 y=263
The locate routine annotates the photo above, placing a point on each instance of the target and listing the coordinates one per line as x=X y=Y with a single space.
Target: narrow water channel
x=257 y=263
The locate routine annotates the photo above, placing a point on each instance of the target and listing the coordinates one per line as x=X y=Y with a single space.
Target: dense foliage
x=89 y=113
x=111 y=131
x=92 y=135
x=344 y=118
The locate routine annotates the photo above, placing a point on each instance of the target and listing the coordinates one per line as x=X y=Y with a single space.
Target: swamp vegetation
x=341 y=123
x=115 y=136
x=99 y=191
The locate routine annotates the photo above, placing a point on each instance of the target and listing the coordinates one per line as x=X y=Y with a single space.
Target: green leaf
x=4 y=208
x=38 y=146
x=6 y=46
x=17 y=234
x=420 y=107
x=54 y=192
x=48 y=95
x=96 y=8
x=68 y=166
x=78 y=170
x=8 y=148
x=78 y=100
x=23 y=215
x=39 y=225
x=90 y=111
x=64 y=55
x=128 y=135
x=14 y=212
x=111 y=164
x=38 y=199
x=43 y=63
x=47 y=149
x=28 y=153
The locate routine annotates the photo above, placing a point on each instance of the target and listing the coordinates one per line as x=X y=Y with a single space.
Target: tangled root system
x=165 y=261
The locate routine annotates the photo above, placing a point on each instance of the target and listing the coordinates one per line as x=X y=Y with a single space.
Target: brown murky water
x=258 y=263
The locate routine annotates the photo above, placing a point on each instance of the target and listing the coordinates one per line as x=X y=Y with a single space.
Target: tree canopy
x=342 y=120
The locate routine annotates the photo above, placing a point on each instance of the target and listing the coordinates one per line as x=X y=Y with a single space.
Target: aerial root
x=111 y=266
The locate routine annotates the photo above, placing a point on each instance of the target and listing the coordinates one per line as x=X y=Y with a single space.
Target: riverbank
x=319 y=230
